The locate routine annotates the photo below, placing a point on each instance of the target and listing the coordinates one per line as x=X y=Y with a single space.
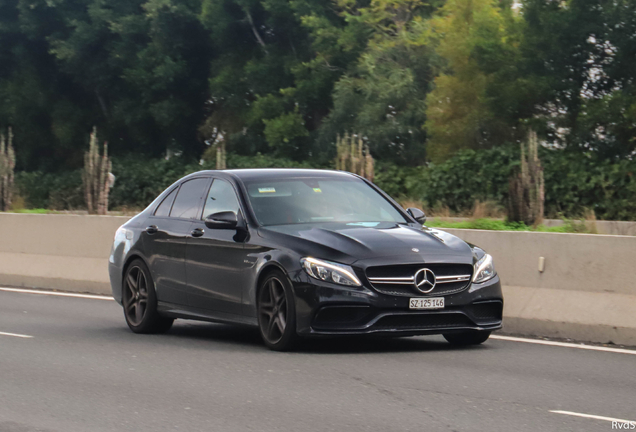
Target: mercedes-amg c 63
x=299 y=253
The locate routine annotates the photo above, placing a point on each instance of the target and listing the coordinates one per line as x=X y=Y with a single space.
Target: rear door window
x=188 y=202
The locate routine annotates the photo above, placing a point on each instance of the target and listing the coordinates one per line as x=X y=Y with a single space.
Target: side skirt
x=186 y=312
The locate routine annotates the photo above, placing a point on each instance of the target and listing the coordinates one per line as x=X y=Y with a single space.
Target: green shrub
x=235 y=161
x=59 y=191
x=138 y=181
x=575 y=183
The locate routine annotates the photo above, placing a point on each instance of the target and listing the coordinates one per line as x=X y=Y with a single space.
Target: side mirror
x=417 y=214
x=222 y=220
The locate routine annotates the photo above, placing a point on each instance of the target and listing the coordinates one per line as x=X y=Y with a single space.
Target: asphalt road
x=83 y=370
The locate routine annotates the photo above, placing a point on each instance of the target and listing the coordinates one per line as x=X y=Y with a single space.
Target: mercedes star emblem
x=424 y=280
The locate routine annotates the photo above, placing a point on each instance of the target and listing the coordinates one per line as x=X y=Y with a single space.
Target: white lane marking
x=591 y=416
x=564 y=344
x=15 y=335
x=55 y=293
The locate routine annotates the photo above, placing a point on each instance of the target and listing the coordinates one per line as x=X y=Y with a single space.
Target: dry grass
x=487 y=209
x=17 y=203
x=480 y=210
x=438 y=211
x=590 y=220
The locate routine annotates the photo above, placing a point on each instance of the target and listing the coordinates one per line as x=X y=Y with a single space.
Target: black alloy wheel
x=136 y=295
x=277 y=313
x=140 y=301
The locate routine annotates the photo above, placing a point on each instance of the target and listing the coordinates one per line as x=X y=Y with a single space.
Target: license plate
x=427 y=303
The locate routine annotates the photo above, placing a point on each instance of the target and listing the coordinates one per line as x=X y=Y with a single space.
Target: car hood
x=370 y=242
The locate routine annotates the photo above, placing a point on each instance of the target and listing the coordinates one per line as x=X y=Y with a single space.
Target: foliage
x=440 y=91
x=139 y=181
x=136 y=69
x=268 y=89
x=382 y=95
x=236 y=161
x=59 y=191
x=581 y=54
x=32 y=211
x=467 y=177
x=419 y=80
x=575 y=183
x=476 y=39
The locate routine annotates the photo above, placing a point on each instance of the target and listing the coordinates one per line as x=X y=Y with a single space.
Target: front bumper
x=325 y=309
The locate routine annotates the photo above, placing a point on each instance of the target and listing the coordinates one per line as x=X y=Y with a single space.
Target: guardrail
x=586 y=291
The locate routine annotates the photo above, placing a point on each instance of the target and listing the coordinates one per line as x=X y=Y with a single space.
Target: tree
x=267 y=92
x=137 y=69
x=476 y=39
x=582 y=53
x=382 y=95
x=144 y=65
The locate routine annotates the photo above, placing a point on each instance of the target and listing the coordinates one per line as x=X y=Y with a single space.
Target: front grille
x=488 y=311
x=398 y=280
x=423 y=321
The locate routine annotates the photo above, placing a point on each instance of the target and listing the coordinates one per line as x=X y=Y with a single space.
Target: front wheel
x=140 y=301
x=467 y=338
x=277 y=312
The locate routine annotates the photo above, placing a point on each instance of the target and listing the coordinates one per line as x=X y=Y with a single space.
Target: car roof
x=278 y=173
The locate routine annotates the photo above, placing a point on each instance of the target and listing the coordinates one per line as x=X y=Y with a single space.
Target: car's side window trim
x=207 y=194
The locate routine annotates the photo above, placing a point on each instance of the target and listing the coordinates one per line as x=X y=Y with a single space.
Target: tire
x=139 y=300
x=467 y=338
x=276 y=310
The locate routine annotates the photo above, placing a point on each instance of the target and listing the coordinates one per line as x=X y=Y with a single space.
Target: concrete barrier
x=586 y=291
x=63 y=252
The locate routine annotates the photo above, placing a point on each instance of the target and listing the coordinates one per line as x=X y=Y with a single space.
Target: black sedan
x=299 y=253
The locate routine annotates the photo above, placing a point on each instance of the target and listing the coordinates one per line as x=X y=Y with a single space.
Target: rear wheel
x=277 y=312
x=140 y=301
x=467 y=338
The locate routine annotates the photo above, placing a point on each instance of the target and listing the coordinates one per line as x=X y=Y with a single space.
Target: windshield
x=314 y=200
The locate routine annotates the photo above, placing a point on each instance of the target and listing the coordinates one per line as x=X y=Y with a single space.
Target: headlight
x=330 y=271
x=484 y=269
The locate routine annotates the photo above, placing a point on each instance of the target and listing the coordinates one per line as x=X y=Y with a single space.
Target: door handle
x=152 y=229
x=197 y=232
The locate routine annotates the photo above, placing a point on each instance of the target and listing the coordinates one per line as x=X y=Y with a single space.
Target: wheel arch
x=268 y=268
x=133 y=256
